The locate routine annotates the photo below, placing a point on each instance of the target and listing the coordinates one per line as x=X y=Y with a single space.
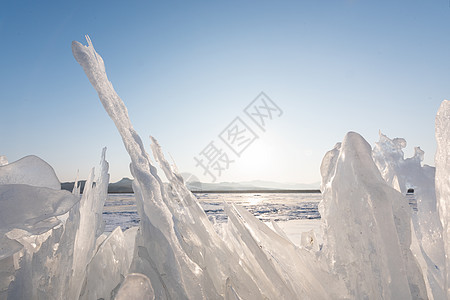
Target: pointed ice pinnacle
x=90 y=224
x=176 y=246
x=367 y=226
x=404 y=174
x=442 y=161
x=157 y=250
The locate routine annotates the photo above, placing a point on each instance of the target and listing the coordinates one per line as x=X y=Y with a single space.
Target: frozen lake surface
x=120 y=209
x=295 y=213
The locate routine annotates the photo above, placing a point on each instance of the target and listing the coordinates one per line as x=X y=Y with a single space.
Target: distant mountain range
x=125 y=186
x=249 y=185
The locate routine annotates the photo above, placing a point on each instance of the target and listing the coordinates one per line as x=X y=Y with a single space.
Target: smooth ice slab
x=29 y=170
x=24 y=206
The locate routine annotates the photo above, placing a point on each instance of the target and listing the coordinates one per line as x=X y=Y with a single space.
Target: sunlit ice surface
x=120 y=209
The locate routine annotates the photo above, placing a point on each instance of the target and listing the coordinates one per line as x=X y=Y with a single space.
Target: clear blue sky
x=185 y=70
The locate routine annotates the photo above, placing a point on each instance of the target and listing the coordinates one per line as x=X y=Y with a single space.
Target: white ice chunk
x=442 y=161
x=261 y=268
x=388 y=156
x=288 y=269
x=204 y=246
x=39 y=269
x=309 y=241
x=90 y=224
x=46 y=223
x=176 y=246
x=278 y=230
x=76 y=188
x=157 y=249
x=135 y=287
x=367 y=231
x=41 y=232
x=29 y=170
x=24 y=206
x=9 y=251
x=3 y=160
x=405 y=174
x=130 y=239
x=108 y=267
x=230 y=293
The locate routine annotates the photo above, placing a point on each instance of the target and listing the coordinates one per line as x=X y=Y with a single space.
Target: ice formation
x=404 y=174
x=53 y=245
x=90 y=223
x=3 y=160
x=367 y=240
x=47 y=234
x=32 y=208
x=442 y=160
x=29 y=170
x=367 y=226
x=177 y=239
x=33 y=241
x=110 y=264
x=135 y=287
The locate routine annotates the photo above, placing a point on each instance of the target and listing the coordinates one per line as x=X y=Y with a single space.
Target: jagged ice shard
x=442 y=161
x=367 y=234
x=159 y=246
x=367 y=226
x=53 y=245
x=177 y=246
x=90 y=224
x=406 y=175
x=45 y=233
